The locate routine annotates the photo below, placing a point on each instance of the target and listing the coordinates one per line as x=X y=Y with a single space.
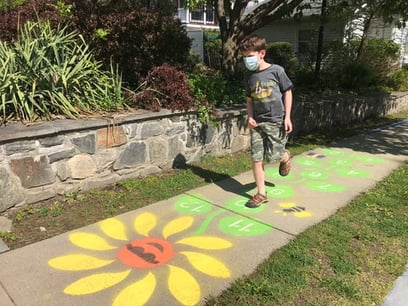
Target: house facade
x=201 y=17
x=302 y=35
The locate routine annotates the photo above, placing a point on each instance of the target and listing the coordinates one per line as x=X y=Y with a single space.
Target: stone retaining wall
x=42 y=160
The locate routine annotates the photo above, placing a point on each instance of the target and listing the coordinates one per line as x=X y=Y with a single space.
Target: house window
x=197 y=15
x=405 y=54
x=203 y=14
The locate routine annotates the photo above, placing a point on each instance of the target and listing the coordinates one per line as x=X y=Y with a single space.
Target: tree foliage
x=135 y=37
x=363 y=12
x=239 y=18
x=135 y=34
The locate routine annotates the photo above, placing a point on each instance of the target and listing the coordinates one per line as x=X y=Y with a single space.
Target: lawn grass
x=352 y=258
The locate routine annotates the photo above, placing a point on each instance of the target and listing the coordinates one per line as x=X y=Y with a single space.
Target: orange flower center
x=146 y=253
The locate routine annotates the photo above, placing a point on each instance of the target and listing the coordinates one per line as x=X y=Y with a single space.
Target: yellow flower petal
x=145 y=223
x=206 y=243
x=184 y=286
x=95 y=283
x=138 y=293
x=114 y=229
x=177 y=226
x=90 y=241
x=207 y=264
x=302 y=214
x=78 y=262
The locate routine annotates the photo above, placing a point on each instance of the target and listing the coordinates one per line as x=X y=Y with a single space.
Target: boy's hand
x=252 y=123
x=288 y=126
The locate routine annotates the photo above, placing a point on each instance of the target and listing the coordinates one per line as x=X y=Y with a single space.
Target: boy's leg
x=257 y=148
x=284 y=164
x=259 y=175
x=276 y=147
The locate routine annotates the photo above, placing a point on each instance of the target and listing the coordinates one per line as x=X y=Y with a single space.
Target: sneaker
x=256 y=201
x=284 y=165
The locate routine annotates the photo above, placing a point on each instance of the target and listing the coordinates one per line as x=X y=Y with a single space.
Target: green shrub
x=52 y=72
x=282 y=53
x=399 y=80
x=213 y=52
x=381 y=56
x=342 y=69
x=354 y=75
x=210 y=85
x=8 y=5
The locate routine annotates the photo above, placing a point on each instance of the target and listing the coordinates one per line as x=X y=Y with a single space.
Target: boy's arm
x=287 y=102
x=250 y=110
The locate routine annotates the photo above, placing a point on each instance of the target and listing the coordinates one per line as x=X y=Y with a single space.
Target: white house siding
x=289 y=31
x=379 y=30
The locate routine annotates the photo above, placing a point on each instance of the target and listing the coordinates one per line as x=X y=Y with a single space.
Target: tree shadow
x=391 y=139
x=224 y=181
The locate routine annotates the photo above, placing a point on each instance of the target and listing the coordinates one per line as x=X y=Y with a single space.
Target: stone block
x=85 y=144
x=63 y=171
x=158 y=149
x=51 y=141
x=151 y=129
x=112 y=136
x=176 y=129
x=133 y=155
x=239 y=143
x=3 y=248
x=5 y=224
x=11 y=192
x=175 y=147
x=33 y=172
x=81 y=166
x=100 y=182
x=38 y=194
x=19 y=147
x=64 y=154
x=105 y=158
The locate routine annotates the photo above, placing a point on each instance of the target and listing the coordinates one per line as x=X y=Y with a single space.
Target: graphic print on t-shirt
x=263 y=92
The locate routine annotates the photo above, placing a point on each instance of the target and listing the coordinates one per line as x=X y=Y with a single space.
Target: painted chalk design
x=317 y=168
x=139 y=256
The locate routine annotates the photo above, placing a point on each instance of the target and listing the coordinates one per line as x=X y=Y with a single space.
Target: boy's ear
x=262 y=53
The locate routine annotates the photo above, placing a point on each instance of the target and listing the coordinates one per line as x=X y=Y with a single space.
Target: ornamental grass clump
x=51 y=72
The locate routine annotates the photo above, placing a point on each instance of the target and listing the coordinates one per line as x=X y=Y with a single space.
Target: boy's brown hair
x=253 y=42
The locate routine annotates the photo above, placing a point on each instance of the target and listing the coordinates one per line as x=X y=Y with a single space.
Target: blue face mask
x=251 y=62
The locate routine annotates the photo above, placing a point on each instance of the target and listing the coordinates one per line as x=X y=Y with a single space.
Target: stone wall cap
x=33 y=130
x=18 y=130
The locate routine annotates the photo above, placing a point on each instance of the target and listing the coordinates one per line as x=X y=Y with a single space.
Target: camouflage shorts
x=268 y=141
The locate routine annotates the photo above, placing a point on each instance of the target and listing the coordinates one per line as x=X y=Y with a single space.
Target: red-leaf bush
x=135 y=37
x=164 y=87
x=13 y=19
x=126 y=33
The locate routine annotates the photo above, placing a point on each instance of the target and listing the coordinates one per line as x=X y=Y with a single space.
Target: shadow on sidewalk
x=379 y=141
x=224 y=181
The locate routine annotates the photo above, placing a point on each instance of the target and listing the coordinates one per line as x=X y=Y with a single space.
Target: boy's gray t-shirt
x=265 y=87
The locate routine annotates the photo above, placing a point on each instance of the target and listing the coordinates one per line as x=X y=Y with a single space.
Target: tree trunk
x=319 y=51
x=367 y=24
x=230 y=56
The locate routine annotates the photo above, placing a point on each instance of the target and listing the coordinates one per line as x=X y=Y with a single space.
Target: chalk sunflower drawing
x=145 y=253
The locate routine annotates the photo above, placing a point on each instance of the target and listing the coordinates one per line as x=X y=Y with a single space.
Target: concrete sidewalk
x=181 y=250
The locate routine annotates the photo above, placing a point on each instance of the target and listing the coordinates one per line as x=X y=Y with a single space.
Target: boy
x=269 y=105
